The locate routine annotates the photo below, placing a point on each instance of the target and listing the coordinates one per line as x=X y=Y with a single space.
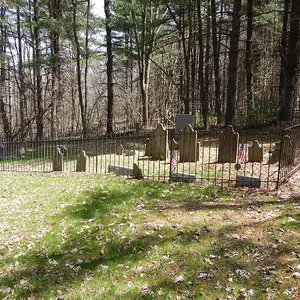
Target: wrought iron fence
x=289 y=161
x=120 y=153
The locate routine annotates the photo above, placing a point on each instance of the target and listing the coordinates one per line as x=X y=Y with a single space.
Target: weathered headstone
x=120 y=170
x=275 y=154
x=173 y=145
x=255 y=152
x=228 y=145
x=157 y=145
x=57 y=160
x=120 y=150
x=188 y=147
x=137 y=172
x=81 y=162
x=181 y=121
x=181 y=177
x=248 y=181
x=148 y=147
x=63 y=149
x=288 y=151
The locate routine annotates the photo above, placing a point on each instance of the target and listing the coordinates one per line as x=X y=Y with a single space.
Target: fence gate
x=289 y=161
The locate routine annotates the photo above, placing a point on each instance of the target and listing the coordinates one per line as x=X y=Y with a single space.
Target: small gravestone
x=157 y=144
x=188 y=147
x=228 y=145
x=81 y=162
x=181 y=177
x=63 y=149
x=173 y=145
x=181 y=121
x=255 y=152
x=288 y=151
x=120 y=170
x=275 y=155
x=248 y=181
x=57 y=161
x=120 y=150
x=148 y=147
x=137 y=172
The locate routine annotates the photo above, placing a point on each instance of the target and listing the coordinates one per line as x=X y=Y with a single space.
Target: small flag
x=242 y=154
x=173 y=161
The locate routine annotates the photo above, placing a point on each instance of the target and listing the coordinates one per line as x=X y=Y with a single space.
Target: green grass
x=102 y=237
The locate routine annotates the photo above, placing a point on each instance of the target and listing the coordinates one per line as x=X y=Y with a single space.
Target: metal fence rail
x=289 y=153
x=124 y=151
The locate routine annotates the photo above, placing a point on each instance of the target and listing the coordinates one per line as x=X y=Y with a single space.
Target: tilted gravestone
x=228 y=145
x=288 y=151
x=157 y=145
x=137 y=172
x=57 y=160
x=255 y=152
x=188 y=146
x=81 y=162
x=275 y=155
x=181 y=121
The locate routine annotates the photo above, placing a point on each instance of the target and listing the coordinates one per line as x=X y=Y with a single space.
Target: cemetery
x=221 y=156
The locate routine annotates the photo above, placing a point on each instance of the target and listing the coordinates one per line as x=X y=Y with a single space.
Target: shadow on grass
x=97 y=248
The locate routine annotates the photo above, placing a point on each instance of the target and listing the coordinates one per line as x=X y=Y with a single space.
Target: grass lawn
x=73 y=236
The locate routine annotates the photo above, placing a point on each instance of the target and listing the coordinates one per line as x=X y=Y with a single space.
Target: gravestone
x=81 y=162
x=120 y=150
x=255 y=152
x=188 y=146
x=228 y=145
x=137 y=172
x=288 y=151
x=148 y=148
x=173 y=145
x=181 y=121
x=120 y=170
x=63 y=149
x=181 y=177
x=275 y=155
x=248 y=181
x=157 y=144
x=57 y=160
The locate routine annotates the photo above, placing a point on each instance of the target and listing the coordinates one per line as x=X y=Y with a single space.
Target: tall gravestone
x=181 y=121
x=188 y=145
x=288 y=151
x=255 y=152
x=157 y=145
x=81 y=162
x=57 y=160
x=228 y=145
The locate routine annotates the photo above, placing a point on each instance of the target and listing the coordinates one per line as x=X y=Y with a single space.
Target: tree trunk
x=218 y=104
x=233 y=60
x=78 y=71
x=286 y=112
x=109 y=70
x=249 y=66
x=283 y=49
x=37 y=67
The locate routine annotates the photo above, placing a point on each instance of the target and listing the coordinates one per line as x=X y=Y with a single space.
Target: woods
x=66 y=71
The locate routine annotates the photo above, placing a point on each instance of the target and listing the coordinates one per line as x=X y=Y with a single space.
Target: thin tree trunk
x=78 y=71
x=218 y=105
x=283 y=49
x=38 y=77
x=286 y=113
x=249 y=66
x=109 y=70
x=233 y=60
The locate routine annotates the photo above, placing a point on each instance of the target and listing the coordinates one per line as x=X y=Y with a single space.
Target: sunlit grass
x=102 y=237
